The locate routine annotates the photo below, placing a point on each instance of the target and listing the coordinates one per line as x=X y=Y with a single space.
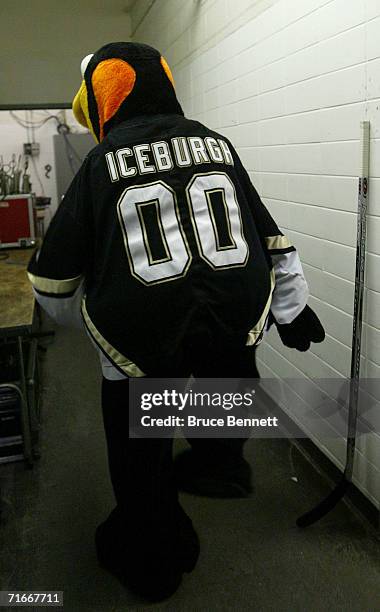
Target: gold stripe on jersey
x=256 y=331
x=277 y=242
x=50 y=285
x=122 y=362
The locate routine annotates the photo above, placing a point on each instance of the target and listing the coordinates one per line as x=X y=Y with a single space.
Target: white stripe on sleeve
x=291 y=291
x=64 y=311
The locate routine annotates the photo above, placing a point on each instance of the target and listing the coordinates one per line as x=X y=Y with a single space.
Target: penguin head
x=120 y=81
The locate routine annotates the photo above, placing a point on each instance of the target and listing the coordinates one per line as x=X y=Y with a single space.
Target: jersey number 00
x=154 y=235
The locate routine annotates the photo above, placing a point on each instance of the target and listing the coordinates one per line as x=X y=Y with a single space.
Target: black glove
x=305 y=328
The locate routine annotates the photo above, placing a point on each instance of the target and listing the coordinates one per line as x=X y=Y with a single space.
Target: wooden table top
x=16 y=295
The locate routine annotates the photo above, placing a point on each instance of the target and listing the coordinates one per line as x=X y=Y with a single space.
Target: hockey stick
x=341 y=488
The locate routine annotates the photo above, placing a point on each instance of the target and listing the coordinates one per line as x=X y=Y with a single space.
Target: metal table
x=17 y=321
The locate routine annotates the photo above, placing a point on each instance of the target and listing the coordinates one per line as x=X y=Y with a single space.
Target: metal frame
x=36 y=106
x=26 y=386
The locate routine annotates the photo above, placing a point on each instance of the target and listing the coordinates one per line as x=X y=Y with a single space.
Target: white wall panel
x=289 y=82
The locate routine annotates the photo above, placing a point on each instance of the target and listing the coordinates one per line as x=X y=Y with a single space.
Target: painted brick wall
x=289 y=81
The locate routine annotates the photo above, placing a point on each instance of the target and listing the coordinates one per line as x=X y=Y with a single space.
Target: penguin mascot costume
x=165 y=253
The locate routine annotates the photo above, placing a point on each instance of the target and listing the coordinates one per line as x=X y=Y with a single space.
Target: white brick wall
x=288 y=81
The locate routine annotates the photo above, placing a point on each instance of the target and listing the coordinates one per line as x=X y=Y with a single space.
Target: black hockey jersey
x=169 y=234
x=161 y=229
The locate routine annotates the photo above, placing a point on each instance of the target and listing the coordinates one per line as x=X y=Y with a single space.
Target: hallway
x=253 y=557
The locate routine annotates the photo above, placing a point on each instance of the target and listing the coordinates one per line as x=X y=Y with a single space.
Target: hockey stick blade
x=325 y=505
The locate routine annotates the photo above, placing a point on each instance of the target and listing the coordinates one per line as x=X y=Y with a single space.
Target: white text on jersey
x=162 y=156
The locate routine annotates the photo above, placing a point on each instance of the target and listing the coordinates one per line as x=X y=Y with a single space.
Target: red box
x=17 y=222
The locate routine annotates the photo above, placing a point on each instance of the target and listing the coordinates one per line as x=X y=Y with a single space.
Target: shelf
x=10 y=441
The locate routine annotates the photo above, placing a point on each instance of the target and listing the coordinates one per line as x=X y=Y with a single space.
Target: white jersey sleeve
x=291 y=290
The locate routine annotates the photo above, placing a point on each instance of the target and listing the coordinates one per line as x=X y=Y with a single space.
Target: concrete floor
x=252 y=555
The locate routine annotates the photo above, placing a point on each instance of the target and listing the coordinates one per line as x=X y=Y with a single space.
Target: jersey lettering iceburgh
x=185 y=152
x=165 y=235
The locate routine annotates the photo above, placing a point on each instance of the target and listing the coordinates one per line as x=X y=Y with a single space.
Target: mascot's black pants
x=148 y=511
